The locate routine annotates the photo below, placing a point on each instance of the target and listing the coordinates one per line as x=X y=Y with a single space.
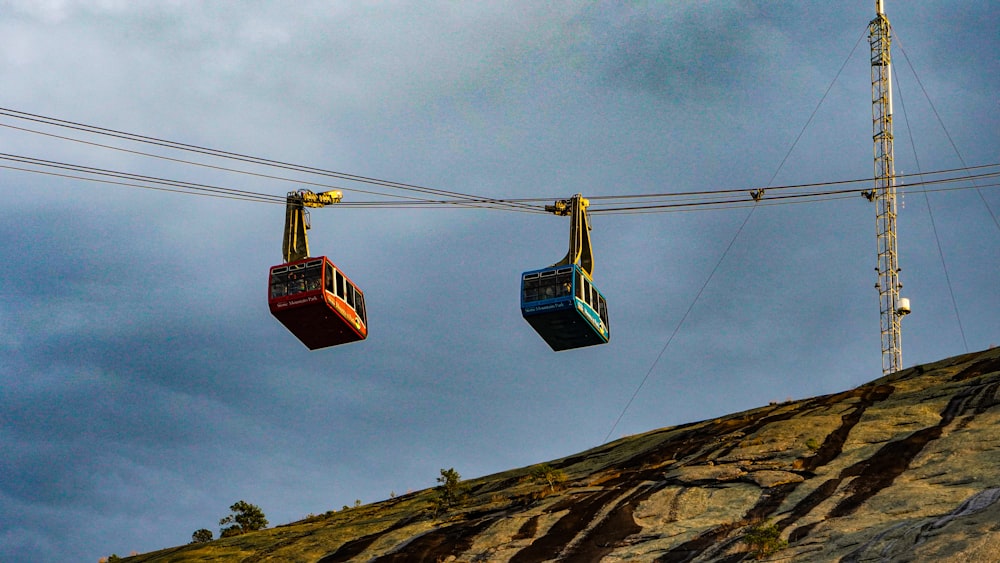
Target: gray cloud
x=145 y=387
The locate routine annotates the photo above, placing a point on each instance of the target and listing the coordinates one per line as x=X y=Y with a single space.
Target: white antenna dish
x=903 y=307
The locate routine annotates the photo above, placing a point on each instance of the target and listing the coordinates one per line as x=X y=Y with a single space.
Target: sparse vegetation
x=425 y=525
x=201 y=536
x=764 y=539
x=451 y=491
x=246 y=517
x=551 y=476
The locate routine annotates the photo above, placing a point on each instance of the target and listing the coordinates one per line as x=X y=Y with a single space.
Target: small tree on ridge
x=246 y=517
x=548 y=474
x=452 y=490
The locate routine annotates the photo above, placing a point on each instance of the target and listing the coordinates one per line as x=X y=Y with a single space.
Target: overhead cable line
x=945 y=129
x=127 y=184
x=757 y=196
x=92 y=129
x=866 y=180
x=813 y=114
x=930 y=214
x=680 y=323
x=190 y=188
x=178 y=186
x=460 y=203
x=746 y=203
x=812 y=195
x=646 y=203
x=603 y=204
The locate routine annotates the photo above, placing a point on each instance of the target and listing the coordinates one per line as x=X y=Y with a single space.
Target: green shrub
x=451 y=491
x=246 y=517
x=549 y=475
x=764 y=539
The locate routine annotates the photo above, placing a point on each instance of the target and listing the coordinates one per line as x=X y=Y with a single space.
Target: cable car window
x=277 y=289
x=296 y=283
x=278 y=278
x=360 y=308
x=532 y=288
x=341 y=292
x=312 y=275
x=529 y=287
x=328 y=278
x=547 y=289
x=563 y=285
x=547 y=285
x=564 y=281
x=350 y=296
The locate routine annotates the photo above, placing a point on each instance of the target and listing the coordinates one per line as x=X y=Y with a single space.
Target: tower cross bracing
x=884 y=193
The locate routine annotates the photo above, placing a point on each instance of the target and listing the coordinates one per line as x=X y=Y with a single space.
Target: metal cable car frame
x=312 y=297
x=561 y=302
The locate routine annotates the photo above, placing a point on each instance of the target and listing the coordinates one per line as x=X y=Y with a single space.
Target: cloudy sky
x=144 y=386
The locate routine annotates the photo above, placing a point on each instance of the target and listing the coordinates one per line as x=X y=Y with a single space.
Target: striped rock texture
x=905 y=468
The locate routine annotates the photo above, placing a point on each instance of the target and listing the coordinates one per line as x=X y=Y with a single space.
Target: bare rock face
x=906 y=468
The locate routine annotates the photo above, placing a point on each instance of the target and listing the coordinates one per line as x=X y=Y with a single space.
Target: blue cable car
x=561 y=302
x=563 y=306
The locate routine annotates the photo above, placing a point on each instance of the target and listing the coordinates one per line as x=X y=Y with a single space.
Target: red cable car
x=316 y=302
x=309 y=295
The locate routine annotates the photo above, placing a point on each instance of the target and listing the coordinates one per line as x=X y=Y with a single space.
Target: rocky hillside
x=905 y=468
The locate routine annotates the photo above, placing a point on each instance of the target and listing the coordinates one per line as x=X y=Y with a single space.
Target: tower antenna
x=891 y=307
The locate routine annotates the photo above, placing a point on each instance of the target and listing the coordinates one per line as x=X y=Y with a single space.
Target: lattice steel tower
x=891 y=307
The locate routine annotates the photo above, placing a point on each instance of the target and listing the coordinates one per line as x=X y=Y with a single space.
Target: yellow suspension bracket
x=580 y=251
x=296 y=244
